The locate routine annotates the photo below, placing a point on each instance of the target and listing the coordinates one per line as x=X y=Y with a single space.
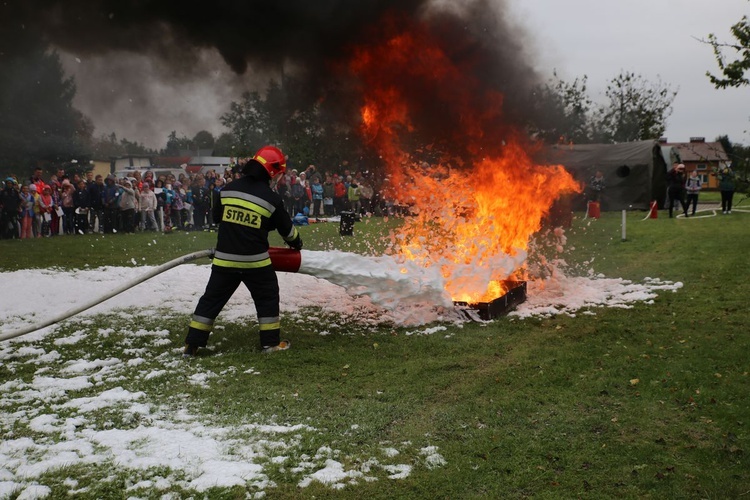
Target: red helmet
x=272 y=159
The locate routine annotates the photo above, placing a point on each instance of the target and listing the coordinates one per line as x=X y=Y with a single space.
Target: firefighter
x=247 y=211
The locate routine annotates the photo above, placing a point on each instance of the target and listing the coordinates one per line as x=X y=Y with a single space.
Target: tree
x=224 y=145
x=39 y=124
x=733 y=72
x=249 y=123
x=176 y=144
x=561 y=111
x=285 y=115
x=637 y=109
x=107 y=146
x=203 y=140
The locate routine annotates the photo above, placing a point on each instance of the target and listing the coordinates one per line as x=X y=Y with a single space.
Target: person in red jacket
x=339 y=195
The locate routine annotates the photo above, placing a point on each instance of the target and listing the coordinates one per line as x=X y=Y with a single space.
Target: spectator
x=27 y=212
x=693 y=187
x=353 y=196
x=110 y=195
x=339 y=195
x=57 y=212
x=161 y=211
x=201 y=203
x=168 y=195
x=10 y=204
x=127 y=206
x=46 y=208
x=177 y=205
x=284 y=188
x=95 y=190
x=148 y=178
x=66 y=202
x=82 y=206
x=299 y=194
x=36 y=222
x=676 y=187
x=147 y=208
x=727 y=186
x=596 y=186
x=317 y=197
x=328 y=195
x=36 y=179
x=219 y=184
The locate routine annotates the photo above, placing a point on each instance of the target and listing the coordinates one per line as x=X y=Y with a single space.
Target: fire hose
x=282 y=259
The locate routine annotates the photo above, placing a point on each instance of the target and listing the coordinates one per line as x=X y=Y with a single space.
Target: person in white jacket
x=127 y=206
x=147 y=207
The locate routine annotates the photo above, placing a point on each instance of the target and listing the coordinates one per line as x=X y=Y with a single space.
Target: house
x=196 y=164
x=702 y=156
x=202 y=164
x=129 y=162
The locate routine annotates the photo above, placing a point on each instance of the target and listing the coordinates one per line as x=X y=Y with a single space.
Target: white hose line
x=127 y=286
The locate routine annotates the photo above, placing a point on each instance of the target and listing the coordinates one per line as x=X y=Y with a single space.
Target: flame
x=473 y=215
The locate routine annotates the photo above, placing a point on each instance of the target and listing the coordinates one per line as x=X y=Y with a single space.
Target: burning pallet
x=485 y=311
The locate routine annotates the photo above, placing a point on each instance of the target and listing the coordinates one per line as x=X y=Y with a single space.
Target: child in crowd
x=46 y=209
x=147 y=207
x=36 y=221
x=27 y=212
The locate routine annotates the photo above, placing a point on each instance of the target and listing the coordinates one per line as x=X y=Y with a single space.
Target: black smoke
x=122 y=50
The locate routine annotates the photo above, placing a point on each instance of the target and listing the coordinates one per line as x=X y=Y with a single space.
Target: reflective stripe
x=203 y=319
x=274 y=319
x=242 y=258
x=246 y=204
x=292 y=234
x=201 y=323
x=262 y=206
x=241 y=265
x=270 y=326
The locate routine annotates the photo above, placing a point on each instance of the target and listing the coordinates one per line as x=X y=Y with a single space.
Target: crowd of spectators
x=88 y=203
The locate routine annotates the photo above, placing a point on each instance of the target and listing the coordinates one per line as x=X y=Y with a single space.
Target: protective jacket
x=248 y=211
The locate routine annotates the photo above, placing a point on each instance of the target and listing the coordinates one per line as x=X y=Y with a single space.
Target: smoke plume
x=162 y=65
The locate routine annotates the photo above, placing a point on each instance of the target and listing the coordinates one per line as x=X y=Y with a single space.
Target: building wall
x=130 y=161
x=100 y=167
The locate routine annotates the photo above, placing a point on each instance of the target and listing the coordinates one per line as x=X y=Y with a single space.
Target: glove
x=296 y=244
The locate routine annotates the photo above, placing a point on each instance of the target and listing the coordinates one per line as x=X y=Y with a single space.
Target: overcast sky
x=657 y=39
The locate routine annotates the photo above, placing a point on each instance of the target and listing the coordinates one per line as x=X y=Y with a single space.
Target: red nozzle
x=285 y=260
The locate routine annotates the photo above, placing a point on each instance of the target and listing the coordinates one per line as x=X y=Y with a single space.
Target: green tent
x=634 y=172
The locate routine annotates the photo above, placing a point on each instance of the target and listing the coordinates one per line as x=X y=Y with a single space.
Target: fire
x=474 y=213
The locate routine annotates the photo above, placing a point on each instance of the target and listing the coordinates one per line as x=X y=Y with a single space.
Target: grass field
x=648 y=402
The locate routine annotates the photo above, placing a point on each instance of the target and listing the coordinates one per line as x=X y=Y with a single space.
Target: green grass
x=648 y=402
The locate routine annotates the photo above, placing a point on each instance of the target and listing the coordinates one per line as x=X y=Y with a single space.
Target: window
x=704 y=179
x=701 y=166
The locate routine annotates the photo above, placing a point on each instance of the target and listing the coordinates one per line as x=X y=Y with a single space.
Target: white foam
x=388 y=282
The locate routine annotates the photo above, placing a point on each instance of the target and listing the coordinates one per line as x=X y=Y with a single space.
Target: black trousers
x=692 y=199
x=263 y=286
x=676 y=195
x=726 y=200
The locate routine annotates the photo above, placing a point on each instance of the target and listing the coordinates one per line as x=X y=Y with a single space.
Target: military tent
x=634 y=172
